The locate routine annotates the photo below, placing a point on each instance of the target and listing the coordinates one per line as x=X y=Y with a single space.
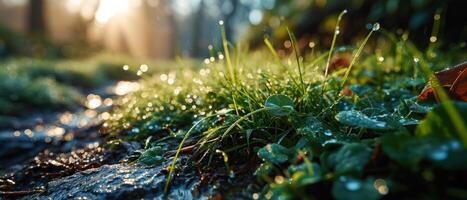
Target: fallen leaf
x=341 y=61
x=453 y=80
x=459 y=87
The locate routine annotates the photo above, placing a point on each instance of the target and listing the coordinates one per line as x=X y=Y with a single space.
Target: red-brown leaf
x=453 y=80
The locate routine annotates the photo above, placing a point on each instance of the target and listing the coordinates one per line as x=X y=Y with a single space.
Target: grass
x=307 y=139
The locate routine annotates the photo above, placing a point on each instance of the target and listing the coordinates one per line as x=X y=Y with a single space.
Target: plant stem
x=230 y=69
x=354 y=59
x=297 y=57
x=174 y=161
x=243 y=118
x=336 y=32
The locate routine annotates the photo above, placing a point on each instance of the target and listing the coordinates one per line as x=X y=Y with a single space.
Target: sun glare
x=110 y=8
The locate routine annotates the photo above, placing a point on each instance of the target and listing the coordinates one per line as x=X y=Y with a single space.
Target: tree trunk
x=36 y=17
x=197 y=31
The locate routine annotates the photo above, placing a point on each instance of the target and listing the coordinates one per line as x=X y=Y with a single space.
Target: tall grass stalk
x=174 y=160
x=297 y=57
x=434 y=31
x=278 y=59
x=333 y=43
x=357 y=54
x=228 y=62
x=241 y=119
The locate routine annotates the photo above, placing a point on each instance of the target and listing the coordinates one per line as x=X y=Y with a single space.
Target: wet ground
x=63 y=156
x=48 y=146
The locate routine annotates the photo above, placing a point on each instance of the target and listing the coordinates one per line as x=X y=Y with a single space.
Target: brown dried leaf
x=453 y=80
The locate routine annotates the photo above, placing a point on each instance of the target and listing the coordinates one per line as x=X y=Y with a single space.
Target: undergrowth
x=303 y=130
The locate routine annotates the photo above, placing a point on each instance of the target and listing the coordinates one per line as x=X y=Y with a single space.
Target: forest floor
x=385 y=121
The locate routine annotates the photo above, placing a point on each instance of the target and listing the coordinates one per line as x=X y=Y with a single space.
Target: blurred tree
x=229 y=14
x=36 y=17
x=197 y=30
x=316 y=19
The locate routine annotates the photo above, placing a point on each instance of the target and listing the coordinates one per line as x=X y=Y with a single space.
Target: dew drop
x=221 y=22
x=144 y=68
x=135 y=130
x=455 y=145
x=353 y=185
x=327 y=142
x=376 y=26
x=311 y=44
x=439 y=154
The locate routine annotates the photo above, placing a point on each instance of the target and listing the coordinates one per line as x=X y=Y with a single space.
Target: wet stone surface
x=54 y=131
x=118 y=181
x=65 y=157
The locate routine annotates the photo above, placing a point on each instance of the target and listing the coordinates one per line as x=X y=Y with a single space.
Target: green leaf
x=152 y=156
x=318 y=134
x=358 y=119
x=302 y=167
x=352 y=157
x=300 y=178
x=311 y=125
x=407 y=150
x=438 y=121
x=417 y=108
x=274 y=153
x=348 y=188
x=279 y=105
x=450 y=155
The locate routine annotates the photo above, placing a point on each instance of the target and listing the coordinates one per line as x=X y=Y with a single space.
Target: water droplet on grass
x=376 y=26
x=353 y=185
x=143 y=68
x=439 y=154
x=455 y=145
x=135 y=130
x=327 y=142
x=328 y=133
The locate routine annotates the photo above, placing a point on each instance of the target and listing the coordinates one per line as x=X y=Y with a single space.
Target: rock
x=119 y=181
x=16 y=150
